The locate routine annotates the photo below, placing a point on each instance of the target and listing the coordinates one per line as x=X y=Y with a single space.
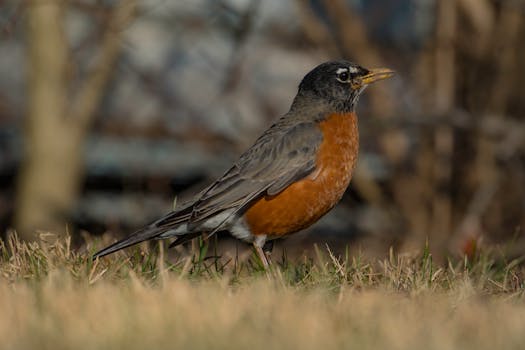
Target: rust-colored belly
x=304 y=202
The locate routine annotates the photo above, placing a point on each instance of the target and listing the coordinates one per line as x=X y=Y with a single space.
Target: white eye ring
x=342 y=75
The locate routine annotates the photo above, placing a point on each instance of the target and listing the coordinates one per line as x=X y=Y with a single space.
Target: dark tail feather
x=152 y=231
x=144 y=234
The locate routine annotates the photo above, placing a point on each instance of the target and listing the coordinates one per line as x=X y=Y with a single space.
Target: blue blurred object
x=399 y=22
x=396 y=23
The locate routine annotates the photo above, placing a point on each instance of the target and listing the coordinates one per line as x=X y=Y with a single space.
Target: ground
x=54 y=297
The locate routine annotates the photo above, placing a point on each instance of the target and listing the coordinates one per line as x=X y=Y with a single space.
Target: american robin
x=294 y=173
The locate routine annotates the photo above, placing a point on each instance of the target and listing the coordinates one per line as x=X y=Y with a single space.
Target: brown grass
x=52 y=297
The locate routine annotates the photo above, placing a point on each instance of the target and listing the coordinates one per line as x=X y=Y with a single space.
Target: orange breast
x=304 y=202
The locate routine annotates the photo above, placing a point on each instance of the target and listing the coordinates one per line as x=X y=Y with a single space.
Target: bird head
x=339 y=83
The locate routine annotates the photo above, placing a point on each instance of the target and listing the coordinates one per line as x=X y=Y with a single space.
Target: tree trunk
x=47 y=180
x=53 y=165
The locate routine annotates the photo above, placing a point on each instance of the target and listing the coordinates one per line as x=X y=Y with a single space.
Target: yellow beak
x=377 y=74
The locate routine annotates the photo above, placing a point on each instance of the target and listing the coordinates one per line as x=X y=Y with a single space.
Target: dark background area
x=110 y=109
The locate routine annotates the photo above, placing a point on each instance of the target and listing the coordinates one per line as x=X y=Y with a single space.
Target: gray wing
x=281 y=156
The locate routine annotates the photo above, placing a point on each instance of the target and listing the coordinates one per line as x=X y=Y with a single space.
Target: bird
x=294 y=173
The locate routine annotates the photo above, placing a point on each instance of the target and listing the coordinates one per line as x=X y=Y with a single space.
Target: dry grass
x=52 y=297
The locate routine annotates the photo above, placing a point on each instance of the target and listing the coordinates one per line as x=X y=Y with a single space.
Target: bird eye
x=343 y=75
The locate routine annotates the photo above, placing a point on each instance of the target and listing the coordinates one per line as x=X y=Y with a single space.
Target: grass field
x=54 y=298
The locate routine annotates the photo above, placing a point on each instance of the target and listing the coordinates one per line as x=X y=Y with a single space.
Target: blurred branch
x=508 y=38
x=443 y=146
x=481 y=15
x=91 y=90
x=443 y=137
x=316 y=31
x=445 y=70
x=241 y=33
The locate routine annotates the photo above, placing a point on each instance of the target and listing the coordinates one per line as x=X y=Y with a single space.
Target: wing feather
x=281 y=156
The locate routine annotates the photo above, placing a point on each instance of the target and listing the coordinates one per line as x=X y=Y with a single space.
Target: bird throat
x=348 y=106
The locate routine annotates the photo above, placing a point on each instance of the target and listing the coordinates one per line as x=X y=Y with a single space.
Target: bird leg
x=258 y=244
x=261 y=256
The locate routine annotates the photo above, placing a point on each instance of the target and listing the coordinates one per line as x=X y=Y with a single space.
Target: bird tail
x=139 y=236
x=153 y=231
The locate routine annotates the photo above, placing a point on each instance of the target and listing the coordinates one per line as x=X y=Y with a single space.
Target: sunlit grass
x=54 y=297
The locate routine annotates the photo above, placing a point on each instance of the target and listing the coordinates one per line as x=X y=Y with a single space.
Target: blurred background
x=110 y=109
